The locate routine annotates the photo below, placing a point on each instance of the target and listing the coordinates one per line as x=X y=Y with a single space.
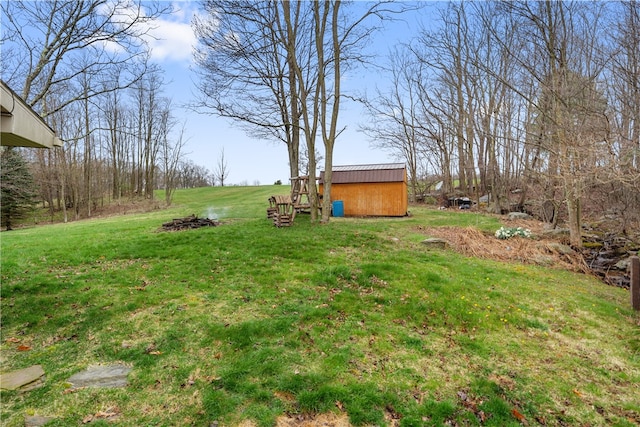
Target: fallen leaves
x=73 y=390
x=505 y=382
x=192 y=379
x=472 y=405
x=21 y=347
x=392 y=413
x=152 y=350
x=518 y=416
x=110 y=414
x=49 y=341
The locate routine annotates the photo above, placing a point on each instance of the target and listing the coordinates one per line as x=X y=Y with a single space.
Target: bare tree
x=519 y=94
x=171 y=153
x=277 y=67
x=497 y=107
x=244 y=68
x=338 y=38
x=325 y=15
x=151 y=108
x=117 y=118
x=449 y=52
x=191 y=175
x=619 y=187
x=221 y=172
x=305 y=160
x=395 y=123
x=54 y=43
x=569 y=109
x=68 y=57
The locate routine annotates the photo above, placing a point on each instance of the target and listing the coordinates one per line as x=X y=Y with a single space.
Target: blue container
x=338 y=208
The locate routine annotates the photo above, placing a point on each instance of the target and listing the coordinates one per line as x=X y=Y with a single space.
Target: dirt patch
x=320 y=420
x=308 y=420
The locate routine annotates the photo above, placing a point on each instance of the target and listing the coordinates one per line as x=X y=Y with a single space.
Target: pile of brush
x=188 y=222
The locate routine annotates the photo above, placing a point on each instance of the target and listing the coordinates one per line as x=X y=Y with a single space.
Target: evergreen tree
x=17 y=188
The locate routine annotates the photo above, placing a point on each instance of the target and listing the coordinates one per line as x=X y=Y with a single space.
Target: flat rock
x=560 y=248
x=24 y=379
x=434 y=242
x=518 y=215
x=101 y=376
x=36 y=420
x=623 y=264
x=543 y=260
x=556 y=231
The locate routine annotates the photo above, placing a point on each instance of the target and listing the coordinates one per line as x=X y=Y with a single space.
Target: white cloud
x=172 y=38
x=171 y=41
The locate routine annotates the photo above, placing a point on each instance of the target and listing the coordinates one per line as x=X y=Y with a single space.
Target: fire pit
x=188 y=222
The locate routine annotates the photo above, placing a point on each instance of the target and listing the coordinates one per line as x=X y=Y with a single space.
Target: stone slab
x=560 y=248
x=518 y=215
x=36 y=420
x=33 y=385
x=21 y=378
x=436 y=243
x=101 y=376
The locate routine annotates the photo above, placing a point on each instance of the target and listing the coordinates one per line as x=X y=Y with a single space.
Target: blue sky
x=251 y=161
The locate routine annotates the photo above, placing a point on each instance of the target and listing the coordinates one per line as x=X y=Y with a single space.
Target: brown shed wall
x=371 y=199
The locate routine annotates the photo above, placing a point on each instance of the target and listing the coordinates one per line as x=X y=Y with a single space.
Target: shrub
x=17 y=189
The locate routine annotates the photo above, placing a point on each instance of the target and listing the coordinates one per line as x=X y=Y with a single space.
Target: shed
x=370 y=190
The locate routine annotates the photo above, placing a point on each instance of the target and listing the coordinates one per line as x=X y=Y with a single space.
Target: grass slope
x=248 y=322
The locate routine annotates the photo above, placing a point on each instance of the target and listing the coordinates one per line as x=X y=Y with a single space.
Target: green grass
x=251 y=322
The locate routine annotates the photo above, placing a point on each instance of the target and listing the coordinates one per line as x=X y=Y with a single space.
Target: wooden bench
x=281 y=210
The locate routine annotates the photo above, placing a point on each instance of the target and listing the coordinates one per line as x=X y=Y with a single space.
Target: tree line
x=85 y=68
x=535 y=103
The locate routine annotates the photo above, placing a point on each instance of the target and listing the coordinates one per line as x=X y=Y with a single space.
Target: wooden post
x=635 y=282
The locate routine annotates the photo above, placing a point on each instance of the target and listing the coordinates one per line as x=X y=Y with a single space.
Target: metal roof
x=382 y=172
x=377 y=166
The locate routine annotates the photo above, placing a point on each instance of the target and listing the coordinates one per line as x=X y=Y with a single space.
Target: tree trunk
x=330 y=134
x=575 y=226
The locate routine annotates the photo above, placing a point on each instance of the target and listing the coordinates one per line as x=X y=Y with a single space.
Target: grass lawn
x=243 y=323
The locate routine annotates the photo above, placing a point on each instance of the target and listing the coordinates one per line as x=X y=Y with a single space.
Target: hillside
x=247 y=324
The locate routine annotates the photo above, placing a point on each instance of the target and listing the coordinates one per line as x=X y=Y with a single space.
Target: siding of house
x=370 y=190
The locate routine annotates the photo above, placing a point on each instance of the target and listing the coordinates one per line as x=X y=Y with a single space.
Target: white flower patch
x=506 y=233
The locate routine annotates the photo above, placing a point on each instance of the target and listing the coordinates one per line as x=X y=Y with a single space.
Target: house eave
x=20 y=125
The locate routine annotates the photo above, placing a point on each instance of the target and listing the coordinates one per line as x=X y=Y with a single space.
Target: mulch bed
x=541 y=251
